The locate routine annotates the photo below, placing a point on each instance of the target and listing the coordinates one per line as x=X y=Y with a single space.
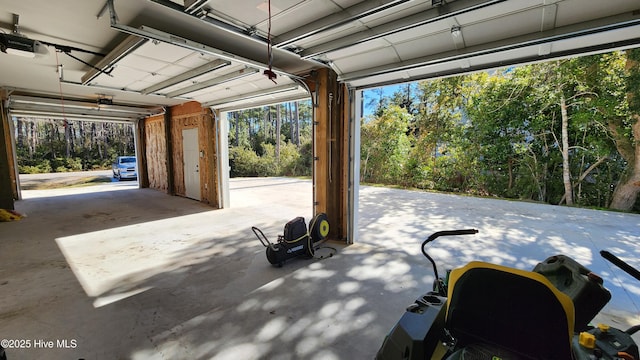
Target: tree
x=556 y=108
x=562 y=84
x=625 y=130
x=377 y=100
x=278 y=121
x=610 y=82
x=296 y=117
x=267 y=145
x=384 y=147
x=505 y=133
x=407 y=97
x=435 y=161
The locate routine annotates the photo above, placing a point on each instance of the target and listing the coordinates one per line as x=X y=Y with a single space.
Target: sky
x=368 y=94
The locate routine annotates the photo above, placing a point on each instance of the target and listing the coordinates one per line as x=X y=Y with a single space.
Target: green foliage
x=43 y=167
x=633 y=80
x=61 y=164
x=499 y=133
x=44 y=146
x=385 y=144
x=253 y=139
x=245 y=162
x=293 y=161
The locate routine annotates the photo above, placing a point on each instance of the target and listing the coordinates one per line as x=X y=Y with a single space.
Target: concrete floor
x=127 y=273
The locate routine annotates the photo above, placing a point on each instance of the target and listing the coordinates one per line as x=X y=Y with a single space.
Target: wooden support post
x=141 y=152
x=7 y=172
x=330 y=136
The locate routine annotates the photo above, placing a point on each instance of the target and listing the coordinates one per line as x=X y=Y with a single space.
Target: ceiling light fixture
x=456 y=31
x=456 y=35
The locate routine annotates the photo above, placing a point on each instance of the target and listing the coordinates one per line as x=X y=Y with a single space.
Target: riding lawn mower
x=493 y=312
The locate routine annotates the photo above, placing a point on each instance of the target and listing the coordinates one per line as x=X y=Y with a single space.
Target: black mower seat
x=515 y=310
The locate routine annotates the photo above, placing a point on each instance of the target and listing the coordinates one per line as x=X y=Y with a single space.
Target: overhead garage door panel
x=65 y=109
x=437 y=43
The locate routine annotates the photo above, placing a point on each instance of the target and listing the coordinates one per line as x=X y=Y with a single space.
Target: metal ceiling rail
x=130 y=44
x=235 y=75
x=195 y=6
x=44 y=111
x=350 y=14
x=252 y=95
x=201 y=70
x=21 y=99
x=248 y=34
x=64 y=113
x=223 y=25
x=261 y=102
x=160 y=98
x=407 y=23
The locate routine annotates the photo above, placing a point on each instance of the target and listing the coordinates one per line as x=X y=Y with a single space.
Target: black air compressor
x=296 y=240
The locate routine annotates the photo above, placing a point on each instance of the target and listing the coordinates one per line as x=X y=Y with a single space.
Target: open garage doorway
x=271 y=146
x=533 y=132
x=80 y=142
x=469 y=152
x=57 y=153
x=64 y=142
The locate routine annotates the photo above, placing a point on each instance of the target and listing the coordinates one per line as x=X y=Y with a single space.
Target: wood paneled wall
x=186 y=116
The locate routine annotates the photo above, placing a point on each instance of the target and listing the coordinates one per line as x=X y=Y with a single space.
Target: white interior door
x=191 y=163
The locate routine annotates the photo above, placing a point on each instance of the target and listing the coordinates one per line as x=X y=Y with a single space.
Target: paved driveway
x=511 y=233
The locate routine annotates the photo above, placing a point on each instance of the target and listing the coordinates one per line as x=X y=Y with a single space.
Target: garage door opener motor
x=296 y=241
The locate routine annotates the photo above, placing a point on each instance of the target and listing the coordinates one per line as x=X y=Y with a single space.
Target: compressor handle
x=621 y=264
x=260 y=235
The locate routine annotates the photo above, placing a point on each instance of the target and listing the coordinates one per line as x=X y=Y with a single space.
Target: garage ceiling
x=146 y=53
